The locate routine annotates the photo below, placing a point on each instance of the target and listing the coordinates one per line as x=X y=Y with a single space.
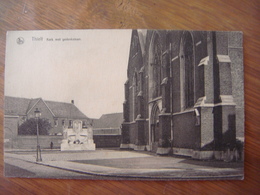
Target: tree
x=29 y=127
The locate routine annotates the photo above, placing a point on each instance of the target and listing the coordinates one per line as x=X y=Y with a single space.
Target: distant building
x=59 y=114
x=107 y=130
x=184 y=93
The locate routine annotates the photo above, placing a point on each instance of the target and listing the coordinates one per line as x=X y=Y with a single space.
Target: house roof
x=61 y=109
x=113 y=120
x=32 y=103
x=16 y=106
x=21 y=106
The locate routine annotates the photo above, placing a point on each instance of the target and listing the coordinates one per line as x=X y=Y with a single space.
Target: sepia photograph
x=124 y=104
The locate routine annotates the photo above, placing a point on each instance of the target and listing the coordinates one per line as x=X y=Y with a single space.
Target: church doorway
x=154 y=128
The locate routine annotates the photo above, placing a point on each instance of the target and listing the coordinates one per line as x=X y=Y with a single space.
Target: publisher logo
x=20 y=40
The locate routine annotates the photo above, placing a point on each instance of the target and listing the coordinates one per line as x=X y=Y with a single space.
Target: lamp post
x=37 y=116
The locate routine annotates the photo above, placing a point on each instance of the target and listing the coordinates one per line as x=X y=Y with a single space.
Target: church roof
x=21 y=106
x=113 y=120
x=142 y=39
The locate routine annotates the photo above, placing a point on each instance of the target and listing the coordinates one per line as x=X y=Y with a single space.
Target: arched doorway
x=154 y=127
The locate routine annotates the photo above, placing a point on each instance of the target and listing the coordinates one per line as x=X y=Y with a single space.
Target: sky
x=87 y=66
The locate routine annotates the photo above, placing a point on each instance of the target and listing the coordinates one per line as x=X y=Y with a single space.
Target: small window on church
x=63 y=122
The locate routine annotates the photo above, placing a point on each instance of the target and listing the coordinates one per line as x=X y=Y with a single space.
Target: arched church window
x=187 y=68
x=134 y=88
x=135 y=45
x=157 y=72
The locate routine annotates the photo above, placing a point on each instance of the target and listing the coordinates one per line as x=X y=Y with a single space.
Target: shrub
x=29 y=127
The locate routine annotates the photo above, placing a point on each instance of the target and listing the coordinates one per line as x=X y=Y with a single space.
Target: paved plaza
x=118 y=164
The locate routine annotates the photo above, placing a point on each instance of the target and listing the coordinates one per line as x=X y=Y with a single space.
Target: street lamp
x=37 y=116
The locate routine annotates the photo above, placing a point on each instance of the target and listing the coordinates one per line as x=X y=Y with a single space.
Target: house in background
x=59 y=114
x=107 y=130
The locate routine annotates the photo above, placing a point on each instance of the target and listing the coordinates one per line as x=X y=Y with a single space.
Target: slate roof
x=21 y=106
x=61 y=109
x=32 y=103
x=113 y=120
x=16 y=106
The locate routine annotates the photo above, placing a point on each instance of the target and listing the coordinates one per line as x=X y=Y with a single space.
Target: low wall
x=30 y=142
x=185 y=133
x=107 y=131
x=107 y=141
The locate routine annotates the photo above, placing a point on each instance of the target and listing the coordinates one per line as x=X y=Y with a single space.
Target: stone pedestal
x=78 y=138
x=89 y=145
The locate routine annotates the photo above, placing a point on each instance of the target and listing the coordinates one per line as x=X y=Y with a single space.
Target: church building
x=184 y=93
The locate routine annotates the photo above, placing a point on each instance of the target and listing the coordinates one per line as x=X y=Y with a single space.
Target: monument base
x=89 y=145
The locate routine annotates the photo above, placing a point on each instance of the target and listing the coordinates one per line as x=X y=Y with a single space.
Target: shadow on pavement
x=215 y=164
x=13 y=171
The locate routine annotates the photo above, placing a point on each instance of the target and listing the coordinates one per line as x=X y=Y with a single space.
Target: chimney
x=72 y=101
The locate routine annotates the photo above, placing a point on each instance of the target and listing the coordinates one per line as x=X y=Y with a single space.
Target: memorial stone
x=78 y=137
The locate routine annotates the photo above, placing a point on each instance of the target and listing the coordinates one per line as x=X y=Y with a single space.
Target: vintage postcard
x=124 y=104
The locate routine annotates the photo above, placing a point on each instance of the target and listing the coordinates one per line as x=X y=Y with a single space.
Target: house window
x=84 y=124
x=55 y=122
x=70 y=124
